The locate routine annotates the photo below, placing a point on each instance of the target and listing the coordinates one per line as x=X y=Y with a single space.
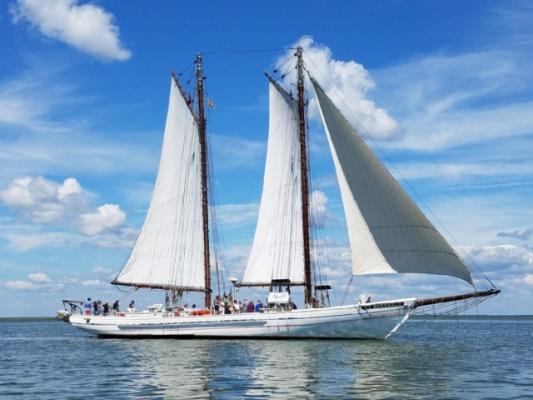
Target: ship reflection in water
x=477 y=358
x=284 y=369
x=412 y=364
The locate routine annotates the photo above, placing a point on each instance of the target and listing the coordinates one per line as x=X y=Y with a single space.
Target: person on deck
x=217 y=304
x=96 y=311
x=258 y=306
x=250 y=307
x=88 y=306
x=106 y=308
x=131 y=306
x=116 y=306
x=227 y=309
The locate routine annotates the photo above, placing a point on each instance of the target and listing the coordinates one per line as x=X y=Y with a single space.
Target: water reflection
x=282 y=369
x=439 y=360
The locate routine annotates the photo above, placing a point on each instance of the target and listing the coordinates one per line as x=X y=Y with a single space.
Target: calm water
x=473 y=359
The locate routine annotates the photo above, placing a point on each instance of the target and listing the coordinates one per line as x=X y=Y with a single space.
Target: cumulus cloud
x=39 y=277
x=28 y=241
x=347 y=83
x=42 y=200
x=93 y=283
x=36 y=280
x=122 y=238
x=106 y=217
x=87 y=27
x=510 y=267
x=47 y=202
x=22 y=285
x=500 y=257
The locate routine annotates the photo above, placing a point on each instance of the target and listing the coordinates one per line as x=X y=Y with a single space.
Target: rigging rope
x=247 y=51
x=346 y=291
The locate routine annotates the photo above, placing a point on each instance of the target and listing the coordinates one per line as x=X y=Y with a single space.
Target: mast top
x=299 y=53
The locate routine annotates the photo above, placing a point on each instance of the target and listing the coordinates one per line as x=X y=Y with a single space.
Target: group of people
x=227 y=305
x=96 y=307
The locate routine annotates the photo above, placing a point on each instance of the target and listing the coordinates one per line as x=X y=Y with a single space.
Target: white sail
x=169 y=250
x=388 y=233
x=277 y=250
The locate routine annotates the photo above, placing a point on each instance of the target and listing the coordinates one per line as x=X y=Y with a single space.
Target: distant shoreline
x=22 y=319
x=414 y=317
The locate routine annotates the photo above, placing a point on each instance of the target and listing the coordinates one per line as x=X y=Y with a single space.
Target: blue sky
x=445 y=88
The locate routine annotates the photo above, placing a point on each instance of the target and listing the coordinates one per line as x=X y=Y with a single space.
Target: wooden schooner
x=387 y=232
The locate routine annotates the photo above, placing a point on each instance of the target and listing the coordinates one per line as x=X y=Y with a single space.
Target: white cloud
x=528 y=279
x=101 y=270
x=499 y=257
x=93 y=283
x=347 y=83
x=38 y=129
x=237 y=214
x=446 y=101
x=29 y=241
x=235 y=258
x=36 y=280
x=42 y=200
x=32 y=98
x=22 y=285
x=87 y=27
x=103 y=273
x=124 y=238
x=319 y=207
x=39 y=277
x=66 y=205
x=234 y=152
x=106 y=217
x=459 y=170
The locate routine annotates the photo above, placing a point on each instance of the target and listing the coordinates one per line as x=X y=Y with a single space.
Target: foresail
x=388 y=233
x=169 y=250
x=277 y=250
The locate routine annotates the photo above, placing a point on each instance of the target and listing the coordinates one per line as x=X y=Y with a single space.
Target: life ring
x=200 y=312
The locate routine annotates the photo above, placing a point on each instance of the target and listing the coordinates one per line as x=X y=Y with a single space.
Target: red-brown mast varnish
x=203 y=167
x=304 y=172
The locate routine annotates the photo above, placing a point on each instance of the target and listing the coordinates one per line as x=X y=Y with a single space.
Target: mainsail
x=387 y=232
x=277 y=250
x=169 y=252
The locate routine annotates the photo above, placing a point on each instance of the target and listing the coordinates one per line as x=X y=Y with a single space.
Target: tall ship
x=387 y=232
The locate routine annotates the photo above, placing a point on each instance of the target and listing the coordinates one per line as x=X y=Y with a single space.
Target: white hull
x=361 y=321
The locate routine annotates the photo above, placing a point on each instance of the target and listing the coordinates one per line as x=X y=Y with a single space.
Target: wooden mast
x=304 y=172
x=203 y=167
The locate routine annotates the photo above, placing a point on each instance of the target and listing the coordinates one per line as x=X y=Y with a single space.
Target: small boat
x=387 y=232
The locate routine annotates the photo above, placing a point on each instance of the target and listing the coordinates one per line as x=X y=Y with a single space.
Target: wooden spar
x=203 y=166
x=267 y=284
x=304 y=172
x=448 y=299
x=162 y=287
